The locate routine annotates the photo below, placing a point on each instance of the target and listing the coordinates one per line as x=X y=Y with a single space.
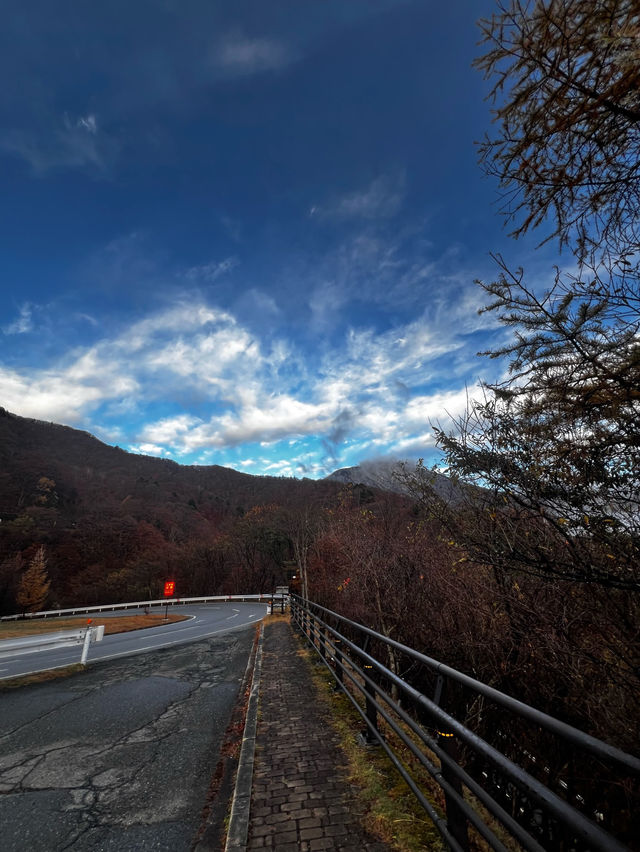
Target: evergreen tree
x=33 y=589
x=565 y=78
x=557 y=444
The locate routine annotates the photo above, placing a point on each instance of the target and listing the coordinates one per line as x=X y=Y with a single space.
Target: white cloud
x=67 y=143
x=64 y=396
x=209 y=272
x=24 y=322
x=279 y=467
x=325 y=304
x=373 y=388
x=381 y=199
x=241 y=55
x=88 y=123
x=170 y=429
x=149 y=450
x=442 y=406
x=258 y=305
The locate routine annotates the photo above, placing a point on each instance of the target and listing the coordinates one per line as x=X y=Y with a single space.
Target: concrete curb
x=241 y=805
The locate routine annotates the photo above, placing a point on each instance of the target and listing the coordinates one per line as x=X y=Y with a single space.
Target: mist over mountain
x=390 y=475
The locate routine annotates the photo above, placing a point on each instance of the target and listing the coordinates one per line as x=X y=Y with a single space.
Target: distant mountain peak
x=387 y=475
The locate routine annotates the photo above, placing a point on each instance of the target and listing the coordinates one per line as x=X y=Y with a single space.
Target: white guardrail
x=80 y=610
x=51 y=641
x=86 y=635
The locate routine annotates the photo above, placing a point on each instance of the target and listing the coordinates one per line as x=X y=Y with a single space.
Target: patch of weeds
x=40 y=677
x=275 y=617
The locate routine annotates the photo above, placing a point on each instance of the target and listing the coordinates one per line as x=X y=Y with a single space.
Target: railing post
x=339 y=674
x=368 y=737
x=371 y=711
x=312 y=628
x=456 y=820
x=322 y=648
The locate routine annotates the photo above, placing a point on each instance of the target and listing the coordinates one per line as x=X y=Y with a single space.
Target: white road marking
x=176 y=628
x=153 y=647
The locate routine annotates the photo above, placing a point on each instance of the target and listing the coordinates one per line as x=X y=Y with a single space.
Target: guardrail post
x=456 y=820
x=85 y=647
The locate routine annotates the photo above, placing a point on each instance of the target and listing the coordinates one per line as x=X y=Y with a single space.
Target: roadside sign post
x=282 y=591
x=169 y=590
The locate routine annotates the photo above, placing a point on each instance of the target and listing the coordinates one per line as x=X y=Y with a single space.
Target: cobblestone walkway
x=300 y=799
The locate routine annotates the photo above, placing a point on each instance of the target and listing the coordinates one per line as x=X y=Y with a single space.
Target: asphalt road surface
x=205 y=621
x=121 y=755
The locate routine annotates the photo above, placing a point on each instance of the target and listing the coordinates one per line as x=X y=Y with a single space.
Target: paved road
x=120 y=756
x=205 y=621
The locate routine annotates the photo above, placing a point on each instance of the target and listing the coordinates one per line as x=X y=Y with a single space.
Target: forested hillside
x=114 y=525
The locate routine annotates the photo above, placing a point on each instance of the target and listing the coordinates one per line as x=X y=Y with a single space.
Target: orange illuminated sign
x=169 y=588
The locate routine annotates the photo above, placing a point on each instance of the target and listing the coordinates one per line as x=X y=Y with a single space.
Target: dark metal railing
x=468 y=743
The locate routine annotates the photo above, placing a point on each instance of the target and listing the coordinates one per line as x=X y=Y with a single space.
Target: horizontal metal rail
x=42 y=642
x=80 y=610
x=360 y=676
x=597 y=747
x=51 y=641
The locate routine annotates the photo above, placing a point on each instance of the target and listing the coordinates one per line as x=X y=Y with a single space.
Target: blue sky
x=245 y=233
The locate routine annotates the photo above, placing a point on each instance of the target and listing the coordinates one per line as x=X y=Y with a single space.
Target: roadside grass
x=275 y=618
x=114 y=624
x=391 y=810
x=40 y=677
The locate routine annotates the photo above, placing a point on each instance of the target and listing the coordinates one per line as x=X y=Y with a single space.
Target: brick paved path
x=300 y=798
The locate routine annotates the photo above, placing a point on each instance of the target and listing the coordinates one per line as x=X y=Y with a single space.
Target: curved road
x=205 y=621
x=133 y=753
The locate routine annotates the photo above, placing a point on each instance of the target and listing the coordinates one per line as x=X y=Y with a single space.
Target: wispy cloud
x=381 y=199
x=24 y=322
x=66 y=143
x=194 y=357
x=240 y=55
x=209 y=272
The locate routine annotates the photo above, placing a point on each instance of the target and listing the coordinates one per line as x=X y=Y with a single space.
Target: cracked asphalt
x=121 y=756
